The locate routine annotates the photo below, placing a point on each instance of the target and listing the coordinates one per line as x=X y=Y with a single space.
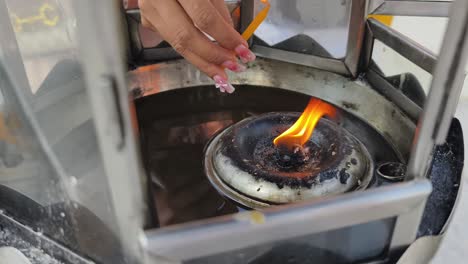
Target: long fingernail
x=244 y=53
x=233 y=66
x=222 y=84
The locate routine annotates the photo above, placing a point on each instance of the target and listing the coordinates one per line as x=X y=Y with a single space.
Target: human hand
x=182 y=23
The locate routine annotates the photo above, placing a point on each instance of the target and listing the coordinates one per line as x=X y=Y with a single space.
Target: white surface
x=10 y=255
x=421 y=251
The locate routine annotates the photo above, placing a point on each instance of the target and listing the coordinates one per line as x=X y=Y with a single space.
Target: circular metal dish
x=338 y=163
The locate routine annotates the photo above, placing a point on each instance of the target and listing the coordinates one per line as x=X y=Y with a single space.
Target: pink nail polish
x=233 y=66
x=222 y=84
x=244 y=53
x=230 y=89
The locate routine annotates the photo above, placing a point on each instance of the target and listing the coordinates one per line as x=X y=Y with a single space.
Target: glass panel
x=180 y=123
x=52 y=176
x=352 y=244
x=427 y=31
x=312 y=27
x=42 y=31
x=403 y=74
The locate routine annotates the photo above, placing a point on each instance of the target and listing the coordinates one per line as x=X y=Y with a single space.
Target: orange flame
x=301 y=131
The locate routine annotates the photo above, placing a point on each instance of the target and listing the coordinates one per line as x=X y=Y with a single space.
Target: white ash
x=34 y=254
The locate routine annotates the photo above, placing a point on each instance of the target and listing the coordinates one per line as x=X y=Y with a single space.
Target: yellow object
x=42 y=16
x=257 y=21
x=384 y=19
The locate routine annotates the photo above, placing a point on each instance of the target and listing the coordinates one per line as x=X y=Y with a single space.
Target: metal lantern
x=114 y=149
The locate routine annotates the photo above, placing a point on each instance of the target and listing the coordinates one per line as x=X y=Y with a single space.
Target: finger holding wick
x=182 y=24
x=217 y=72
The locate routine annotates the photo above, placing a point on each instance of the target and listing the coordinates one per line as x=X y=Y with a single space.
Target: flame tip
x=300 y=132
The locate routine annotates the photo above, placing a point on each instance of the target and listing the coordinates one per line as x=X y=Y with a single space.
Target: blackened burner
x=243 y=163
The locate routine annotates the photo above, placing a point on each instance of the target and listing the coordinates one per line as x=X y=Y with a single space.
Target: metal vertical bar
x=367 y=48
x=356 y=32
x=247 y=15
x=444 y=93
x=102 y=56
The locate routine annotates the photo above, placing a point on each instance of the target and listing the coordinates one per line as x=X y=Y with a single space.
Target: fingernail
x=223 y=85
x=244 y=53
x=233 y=66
